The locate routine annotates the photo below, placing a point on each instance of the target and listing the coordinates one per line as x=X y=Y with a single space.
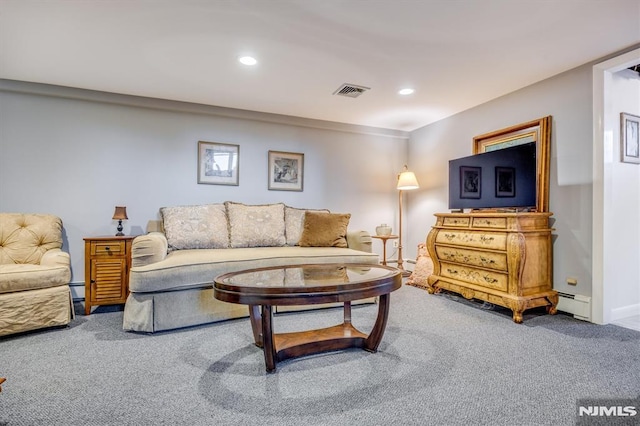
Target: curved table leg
x=372 y=342
x=267 y=339
x=342 y=336
x=256 y=324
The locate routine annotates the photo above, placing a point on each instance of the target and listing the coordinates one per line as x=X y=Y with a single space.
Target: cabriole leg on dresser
x=431 y=288
x=518 y=307
x=553 y=300
x=517 y=317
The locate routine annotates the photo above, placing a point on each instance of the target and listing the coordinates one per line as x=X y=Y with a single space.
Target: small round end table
x=384 y=239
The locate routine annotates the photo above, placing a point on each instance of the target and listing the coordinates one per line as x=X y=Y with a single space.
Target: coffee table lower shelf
x=281 y=346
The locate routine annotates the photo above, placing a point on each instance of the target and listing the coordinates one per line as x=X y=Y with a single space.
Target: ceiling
x=456 y=54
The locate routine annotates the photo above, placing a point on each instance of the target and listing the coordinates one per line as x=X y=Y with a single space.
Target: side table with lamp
x=107 y=260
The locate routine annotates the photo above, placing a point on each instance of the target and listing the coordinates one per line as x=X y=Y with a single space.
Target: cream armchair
x=34 y=273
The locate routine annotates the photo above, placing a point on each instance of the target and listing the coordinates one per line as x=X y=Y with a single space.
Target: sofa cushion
x=197 y=268
x=256 y=225
x=15 y=278
x=196 y=227
x=294 y=223
x=24 y=238
x=325 y=229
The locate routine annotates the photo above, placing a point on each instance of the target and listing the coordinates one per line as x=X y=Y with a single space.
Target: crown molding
x=65 y=92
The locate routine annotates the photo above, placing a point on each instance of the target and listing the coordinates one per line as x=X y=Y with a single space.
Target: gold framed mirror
x=538 y=131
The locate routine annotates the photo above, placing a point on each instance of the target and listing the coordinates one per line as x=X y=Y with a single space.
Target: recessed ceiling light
x=247 y=60
x=405 y=92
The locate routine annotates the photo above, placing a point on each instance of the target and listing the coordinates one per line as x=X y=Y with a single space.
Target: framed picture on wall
x=630 y=138
x=505 y=182
x=218 y=163
x=286 y=171
x=470 y=181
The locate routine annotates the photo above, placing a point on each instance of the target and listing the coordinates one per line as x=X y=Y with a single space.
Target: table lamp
x=120 y=214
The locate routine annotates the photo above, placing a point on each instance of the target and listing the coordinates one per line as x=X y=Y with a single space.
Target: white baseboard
x=625 y=312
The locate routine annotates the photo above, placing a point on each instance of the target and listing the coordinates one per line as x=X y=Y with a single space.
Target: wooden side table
x=106 y=270
x=384 y=239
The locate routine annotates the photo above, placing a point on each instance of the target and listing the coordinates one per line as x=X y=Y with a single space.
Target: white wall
x=612 y=285
x=622 y=221
x=77 y=154
x=567 y=98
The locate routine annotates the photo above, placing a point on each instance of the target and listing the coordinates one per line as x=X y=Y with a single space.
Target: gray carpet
x=443 y=361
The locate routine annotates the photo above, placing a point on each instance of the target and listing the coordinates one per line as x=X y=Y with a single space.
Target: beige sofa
x=173 y=266
x=34 y=273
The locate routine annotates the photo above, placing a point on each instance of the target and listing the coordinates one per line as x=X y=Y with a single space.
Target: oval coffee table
x=264 y=288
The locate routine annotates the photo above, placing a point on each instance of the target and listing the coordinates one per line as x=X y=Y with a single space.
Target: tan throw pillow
x=195 y=227
x=256 y=226
x=294 y=223
x=325 y=229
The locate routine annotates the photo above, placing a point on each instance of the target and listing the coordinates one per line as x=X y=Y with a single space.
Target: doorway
x=616 y=289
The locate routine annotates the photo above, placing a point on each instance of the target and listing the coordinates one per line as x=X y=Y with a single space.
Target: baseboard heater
x=576 y=304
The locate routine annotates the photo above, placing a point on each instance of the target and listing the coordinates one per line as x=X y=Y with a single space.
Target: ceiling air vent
x=350 y=90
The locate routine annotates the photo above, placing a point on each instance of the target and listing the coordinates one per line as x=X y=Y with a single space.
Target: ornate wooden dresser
x=501 y=258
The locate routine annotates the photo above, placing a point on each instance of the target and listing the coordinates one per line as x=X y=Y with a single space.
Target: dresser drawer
x=479 y=239
x=460 y=222
x=487 y=279
x=108 y=248
x=483 y=259
x=489 y=222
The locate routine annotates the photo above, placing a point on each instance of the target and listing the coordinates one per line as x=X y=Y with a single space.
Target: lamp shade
x=407 y=180
x=120 y=213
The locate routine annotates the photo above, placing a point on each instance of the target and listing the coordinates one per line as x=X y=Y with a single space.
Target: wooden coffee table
x=264 y=288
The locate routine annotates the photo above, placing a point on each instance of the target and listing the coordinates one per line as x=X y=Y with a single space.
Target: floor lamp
x=406 y=182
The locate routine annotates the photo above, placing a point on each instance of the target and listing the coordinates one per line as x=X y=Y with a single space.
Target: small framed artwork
x=470 y=181
x=630 y=138
x=218 y=163
x=286 y=171
x=505 y=182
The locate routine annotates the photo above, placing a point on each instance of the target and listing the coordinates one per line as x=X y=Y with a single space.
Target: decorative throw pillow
x=294 y=223
x=196 y=227
x=256 y=226
x=325 y=229
x=424 y=268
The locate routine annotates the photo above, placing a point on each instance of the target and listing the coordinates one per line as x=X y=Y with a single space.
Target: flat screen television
x=504 y=179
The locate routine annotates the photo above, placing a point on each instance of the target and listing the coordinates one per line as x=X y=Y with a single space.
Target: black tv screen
x=504 y=178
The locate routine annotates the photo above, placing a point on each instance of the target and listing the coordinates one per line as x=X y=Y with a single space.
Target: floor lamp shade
x=406 y=182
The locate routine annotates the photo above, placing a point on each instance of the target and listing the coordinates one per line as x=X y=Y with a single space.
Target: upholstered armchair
x=34 y=273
